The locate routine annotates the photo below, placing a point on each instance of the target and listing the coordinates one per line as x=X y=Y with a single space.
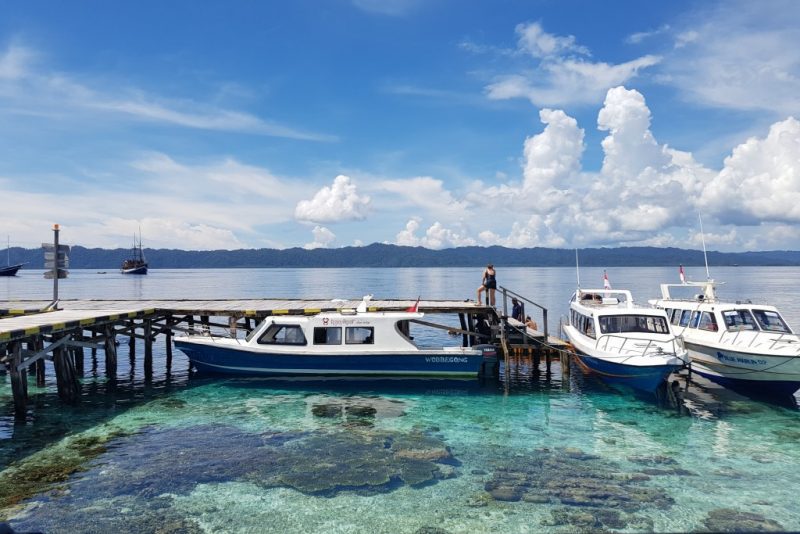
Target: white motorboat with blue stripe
x=623 y=342
x=738 y=344
x=345 y=342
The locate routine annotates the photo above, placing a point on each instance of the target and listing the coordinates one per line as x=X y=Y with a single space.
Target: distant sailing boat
x=136 y=264
x=10 y=270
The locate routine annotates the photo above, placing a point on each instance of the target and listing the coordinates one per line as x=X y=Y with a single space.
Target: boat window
x=685 y=317
x=708 y=322
x=676 y=317
x=283 y=334
x=771 y=321
x=738 y=320
x=327 y=335
x=359 y=335
x=618 y=324
x=695 y=320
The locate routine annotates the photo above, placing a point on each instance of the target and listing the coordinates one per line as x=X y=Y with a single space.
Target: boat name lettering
x=738 y=359
x=445 y=359
x=349 y=322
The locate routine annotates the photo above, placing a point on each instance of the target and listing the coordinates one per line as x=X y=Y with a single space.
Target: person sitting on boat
x=530 y=323
x=489 y=283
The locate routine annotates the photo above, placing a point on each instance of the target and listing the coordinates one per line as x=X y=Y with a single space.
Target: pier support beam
x=67 y=382
x=148 y=350
x=18 y=381
x=78 y=354
x=111 y=352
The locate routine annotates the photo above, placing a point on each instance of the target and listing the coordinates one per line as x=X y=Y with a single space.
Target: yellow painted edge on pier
x=280 y=312
x=311 y=311
x=373 y=308
x=87 y=321
x=58 y=326
x=113 y=317
x=249 y=313
x=5 y=335
x=34 y=330
x=132 y=314
x=16 y=312
x=149 y=311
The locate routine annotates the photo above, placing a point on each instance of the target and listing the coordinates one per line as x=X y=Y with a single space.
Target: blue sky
x=440 y=123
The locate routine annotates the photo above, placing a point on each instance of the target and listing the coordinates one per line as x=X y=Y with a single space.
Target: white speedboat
x=736 y=344
x=344 y=342
x=623 y=342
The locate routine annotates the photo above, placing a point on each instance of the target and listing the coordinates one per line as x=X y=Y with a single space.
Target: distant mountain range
x=380 y=255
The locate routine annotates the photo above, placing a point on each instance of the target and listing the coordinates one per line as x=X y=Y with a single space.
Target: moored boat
x=346 y=342
x=8 y=269
x=136 y=264
x=737 y=344
x=622 y=342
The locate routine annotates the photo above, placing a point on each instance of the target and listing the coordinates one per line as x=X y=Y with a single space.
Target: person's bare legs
x=491 y=296
x=480 y=290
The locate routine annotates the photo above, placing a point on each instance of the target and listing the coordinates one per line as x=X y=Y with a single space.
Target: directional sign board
x=53 y=259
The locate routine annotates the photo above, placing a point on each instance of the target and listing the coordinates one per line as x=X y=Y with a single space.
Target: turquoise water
x=533 y=453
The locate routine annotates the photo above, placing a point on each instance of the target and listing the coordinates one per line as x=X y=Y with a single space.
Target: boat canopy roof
x=708 y=289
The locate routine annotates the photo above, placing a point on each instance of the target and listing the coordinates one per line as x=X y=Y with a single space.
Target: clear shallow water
x=536 y=454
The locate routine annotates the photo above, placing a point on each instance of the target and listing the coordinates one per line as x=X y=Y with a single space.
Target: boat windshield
x=617 y=324
x=739 y=320
x=771 y=321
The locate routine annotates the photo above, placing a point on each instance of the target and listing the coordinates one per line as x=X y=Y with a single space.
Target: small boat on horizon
x=8 y=269
x=736 y=344
x=621 y=342
x=136 y=264
x=342 y=343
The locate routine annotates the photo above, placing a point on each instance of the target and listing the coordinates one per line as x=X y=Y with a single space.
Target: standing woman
x=489 y=283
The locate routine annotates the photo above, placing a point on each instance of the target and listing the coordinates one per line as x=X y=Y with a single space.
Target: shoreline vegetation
x=394 y=256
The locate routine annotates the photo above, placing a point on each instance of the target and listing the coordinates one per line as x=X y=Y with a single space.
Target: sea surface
x=528 y=452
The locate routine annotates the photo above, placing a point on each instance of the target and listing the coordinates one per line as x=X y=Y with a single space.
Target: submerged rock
x=574 y=478
x=729 y=520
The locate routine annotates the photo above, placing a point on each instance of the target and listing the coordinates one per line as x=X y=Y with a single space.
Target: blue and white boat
x=622 y=342
x=346 y=342
x=741 y=345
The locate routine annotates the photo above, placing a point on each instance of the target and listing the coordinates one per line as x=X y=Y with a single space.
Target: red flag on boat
x=413 y=309
x=606 y=283
x=683 y=276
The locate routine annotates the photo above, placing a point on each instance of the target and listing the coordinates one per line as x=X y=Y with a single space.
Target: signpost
x=56 y=258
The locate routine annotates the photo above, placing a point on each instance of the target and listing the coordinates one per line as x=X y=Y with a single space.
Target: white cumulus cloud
x=339 y=202
x=322 y=238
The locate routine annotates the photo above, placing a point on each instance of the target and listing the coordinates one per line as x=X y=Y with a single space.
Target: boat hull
x=219 y=359
x=642 y=377
x=136 y=270
x=11 y=270
x=759 y=373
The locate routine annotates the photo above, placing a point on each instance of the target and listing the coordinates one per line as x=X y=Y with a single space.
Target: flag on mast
x=683 y=276
x=413 y=309
x=606 y=283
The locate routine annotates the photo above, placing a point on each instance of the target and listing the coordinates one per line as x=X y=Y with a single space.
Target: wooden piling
x=169 y=350
x=40 y=378
x=18 y=379
x=111 y=352
x=66 y=380
x=148 y=349
x=132 y=345
x=78 y=354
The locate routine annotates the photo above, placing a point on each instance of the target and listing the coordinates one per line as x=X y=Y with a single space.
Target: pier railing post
x=18 y=379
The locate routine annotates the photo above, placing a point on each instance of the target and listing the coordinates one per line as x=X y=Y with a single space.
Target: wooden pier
x=32 y=332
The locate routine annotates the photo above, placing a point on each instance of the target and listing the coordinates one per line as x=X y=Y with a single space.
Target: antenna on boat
x=705 y=254
x=577 y=268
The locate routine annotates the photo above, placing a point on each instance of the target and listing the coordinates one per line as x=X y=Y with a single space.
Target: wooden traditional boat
x=136 y=264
